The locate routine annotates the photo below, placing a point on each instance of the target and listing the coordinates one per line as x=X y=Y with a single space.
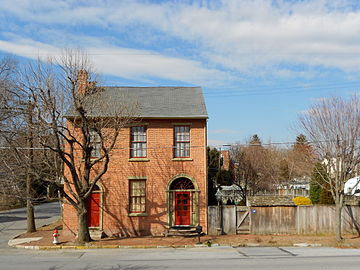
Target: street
x=191 y=258
x=14 y=222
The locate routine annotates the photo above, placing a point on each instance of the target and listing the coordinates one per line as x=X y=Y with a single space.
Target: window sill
x=182 y=159
x=138 y=215
x=92 y=159
x=139 y=159
x=95 y=158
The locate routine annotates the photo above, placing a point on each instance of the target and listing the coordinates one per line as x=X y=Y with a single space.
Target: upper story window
x=138 y=142
x=181 y=141
x=95 y=142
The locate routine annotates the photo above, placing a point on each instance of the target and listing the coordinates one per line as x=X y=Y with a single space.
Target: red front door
x=93 y=210
x=182 y=208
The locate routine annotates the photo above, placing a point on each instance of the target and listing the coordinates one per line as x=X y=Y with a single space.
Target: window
x=137 y=196
x=182 y=141
x=138 y=142
x=95 y=142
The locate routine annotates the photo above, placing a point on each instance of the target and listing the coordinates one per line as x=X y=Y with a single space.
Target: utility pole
x=29 y=175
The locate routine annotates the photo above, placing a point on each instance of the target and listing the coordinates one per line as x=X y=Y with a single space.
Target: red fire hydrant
x=56 y=235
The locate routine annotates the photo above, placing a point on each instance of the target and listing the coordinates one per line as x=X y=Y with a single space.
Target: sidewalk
x=42 y=239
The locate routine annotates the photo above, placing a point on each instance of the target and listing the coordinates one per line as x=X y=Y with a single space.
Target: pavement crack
x=242 y=253
x=288 y=252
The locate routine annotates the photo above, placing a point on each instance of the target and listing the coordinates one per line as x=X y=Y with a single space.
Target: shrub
x=302 y=201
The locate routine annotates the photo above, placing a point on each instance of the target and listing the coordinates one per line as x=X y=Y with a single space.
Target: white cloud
x=216 y=143
x=124 y=62
x=240 y=35
x=224 y=131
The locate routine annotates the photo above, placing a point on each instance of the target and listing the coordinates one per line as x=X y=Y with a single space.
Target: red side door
x=182 y=208
x=93 y=210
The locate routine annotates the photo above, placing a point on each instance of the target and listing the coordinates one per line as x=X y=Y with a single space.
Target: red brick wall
x=159 y=171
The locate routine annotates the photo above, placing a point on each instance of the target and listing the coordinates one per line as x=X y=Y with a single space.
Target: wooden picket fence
x=314 y=219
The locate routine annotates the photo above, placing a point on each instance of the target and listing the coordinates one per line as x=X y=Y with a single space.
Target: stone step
x=97 y=234
x=182 y=231
x=182 y=234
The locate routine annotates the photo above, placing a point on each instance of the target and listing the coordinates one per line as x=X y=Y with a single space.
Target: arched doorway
x=93 y=207
x=183 y=202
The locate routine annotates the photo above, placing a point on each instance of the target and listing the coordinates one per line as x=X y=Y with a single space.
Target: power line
x=275 y=91
x=192 y=146
x=292 y=87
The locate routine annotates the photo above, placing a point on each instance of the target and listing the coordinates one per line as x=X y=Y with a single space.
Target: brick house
x=157 y=175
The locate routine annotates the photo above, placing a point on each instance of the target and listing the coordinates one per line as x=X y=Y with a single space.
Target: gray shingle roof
x=152 y=102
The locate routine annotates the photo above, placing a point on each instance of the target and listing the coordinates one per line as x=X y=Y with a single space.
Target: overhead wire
x=191 y=146
x=287 y=90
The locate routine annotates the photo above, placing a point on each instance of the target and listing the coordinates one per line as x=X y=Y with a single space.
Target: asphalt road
x=189 y=259
x=13 y=222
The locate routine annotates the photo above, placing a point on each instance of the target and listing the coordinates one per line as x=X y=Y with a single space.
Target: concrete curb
x=14 y=237
x=18 y=235
x=307 y=245
x=109 y=246
x=87 y=247
x=19 y=241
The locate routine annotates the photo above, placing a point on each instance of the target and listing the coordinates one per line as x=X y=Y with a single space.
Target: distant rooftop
x=270 y=201
x=152 y=102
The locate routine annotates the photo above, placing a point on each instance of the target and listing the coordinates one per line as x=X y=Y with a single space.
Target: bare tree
x=85 y=135
x=256 y=168
x=8 y=67
x=333 y=125
x=25 y=165
x=296 y=161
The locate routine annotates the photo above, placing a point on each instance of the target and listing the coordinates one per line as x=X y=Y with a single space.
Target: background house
x=352 y=186
x=157 y=175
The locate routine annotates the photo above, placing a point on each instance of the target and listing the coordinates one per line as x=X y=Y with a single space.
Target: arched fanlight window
x=181 y=183
x=96 y=188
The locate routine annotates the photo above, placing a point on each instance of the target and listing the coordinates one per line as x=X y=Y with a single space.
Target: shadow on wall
x=159 y=173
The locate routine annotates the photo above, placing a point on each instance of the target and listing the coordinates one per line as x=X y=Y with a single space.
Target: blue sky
x=260 y=63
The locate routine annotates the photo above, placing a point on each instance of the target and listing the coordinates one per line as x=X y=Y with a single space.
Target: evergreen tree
x=319 y=193
x=213 y=169
x=284 y=171
x=301 y=140
x=224 y=178
x=255 y=140
x=326 y=197
x=314 y=192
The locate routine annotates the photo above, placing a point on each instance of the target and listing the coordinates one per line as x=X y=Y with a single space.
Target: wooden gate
x=229 y=219
x=243 y=220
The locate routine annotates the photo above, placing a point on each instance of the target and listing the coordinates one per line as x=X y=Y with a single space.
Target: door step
x=182 y=231
x=97 y=234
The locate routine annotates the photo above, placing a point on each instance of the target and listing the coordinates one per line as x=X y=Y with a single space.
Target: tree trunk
x=30 y=214
x=29 y=207
x=338 y=219
x=83 y=235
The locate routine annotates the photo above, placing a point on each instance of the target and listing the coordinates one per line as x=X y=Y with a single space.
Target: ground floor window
x=137 y=196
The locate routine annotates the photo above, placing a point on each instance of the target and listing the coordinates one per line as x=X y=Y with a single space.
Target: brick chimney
x=82 y=79
x=226 y=159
